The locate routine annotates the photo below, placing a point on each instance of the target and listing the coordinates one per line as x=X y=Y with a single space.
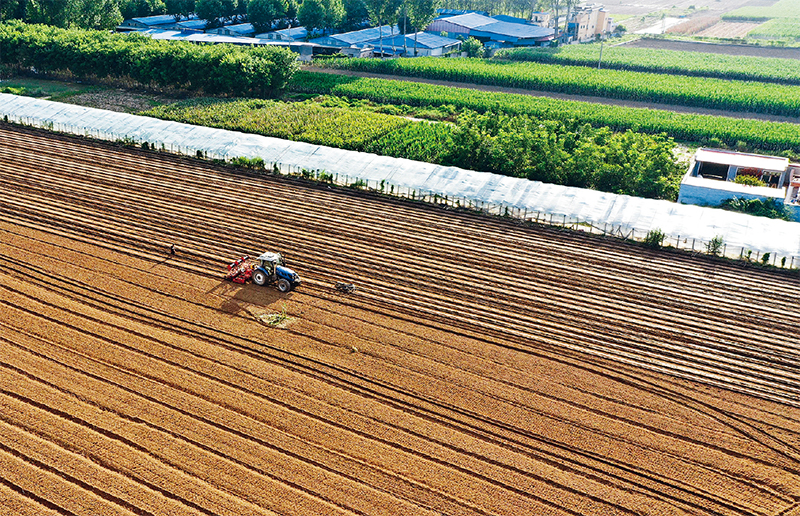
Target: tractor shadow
x=236 y=298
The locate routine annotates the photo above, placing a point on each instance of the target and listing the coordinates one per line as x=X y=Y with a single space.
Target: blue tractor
x=270 y=268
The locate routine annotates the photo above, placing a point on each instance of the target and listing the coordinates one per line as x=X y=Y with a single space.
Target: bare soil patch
x=500 y=369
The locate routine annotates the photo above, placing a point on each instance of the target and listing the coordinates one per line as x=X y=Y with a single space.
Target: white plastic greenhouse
x=684 y=225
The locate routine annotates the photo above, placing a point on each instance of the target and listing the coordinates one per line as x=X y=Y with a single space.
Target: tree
x=13 y=10
x=320 y=14
x=311 y=14
x=420 y=14
x=213 y=11
x=472 y=47
x=354 y=14
x=382 y=12
x=97 y=14
x=551 y=5
x=137 y=8
x=49 y=12
x=179 y=8
x=261 y=13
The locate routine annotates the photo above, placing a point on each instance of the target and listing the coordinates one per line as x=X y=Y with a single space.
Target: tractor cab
x=270 y=267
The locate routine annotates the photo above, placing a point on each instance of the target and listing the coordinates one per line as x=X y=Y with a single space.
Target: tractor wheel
x=284 y=285
x=259 y=278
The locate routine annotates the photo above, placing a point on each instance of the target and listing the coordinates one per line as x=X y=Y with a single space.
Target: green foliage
x=781 y=9
x=256 y=163
x=715 y=246
x=765 y=258
x=700 y=64
x=701 y=129
x=320 y=14
x=702 y=92
x=519 y=146
x=214 y=11
x=654 y=238
x=773 y=208
x=748 y=180
x=138 y=8
x=221 y=69
x=473 y=47
x=778 y=28
x=261 y=13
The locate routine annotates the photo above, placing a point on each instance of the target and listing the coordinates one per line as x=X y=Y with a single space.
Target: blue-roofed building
x=427 y=44
x=492 y=32
x=240 y=29
x=291 y=34
x=200 y=37
x=151 y=22
x=357 y=38
x=444 y=13
x=511 y=19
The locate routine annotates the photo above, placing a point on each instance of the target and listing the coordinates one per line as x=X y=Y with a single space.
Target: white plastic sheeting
x=599 y=209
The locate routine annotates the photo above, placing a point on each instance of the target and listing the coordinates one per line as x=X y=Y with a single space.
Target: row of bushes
x=214 y=69
x=702 y=129
x=701 y=92
x=520 y=146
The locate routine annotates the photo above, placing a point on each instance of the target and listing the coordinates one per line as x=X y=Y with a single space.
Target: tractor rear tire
x=284 y=285
x=259 y=278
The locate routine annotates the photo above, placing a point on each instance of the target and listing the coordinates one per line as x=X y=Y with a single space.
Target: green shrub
x=715 y=246
x=473 y=47
x=86 y=54
x=773 y=208
x=748 y=181
x=654 y=238
x=765 y=259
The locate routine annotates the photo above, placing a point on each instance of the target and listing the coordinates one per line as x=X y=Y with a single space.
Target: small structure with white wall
x=710 y=179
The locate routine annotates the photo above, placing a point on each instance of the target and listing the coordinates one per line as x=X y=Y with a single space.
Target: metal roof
x=161 y=19
x=511 y=19
x=456 y=12
x=485 y=24
x=424 y=40
x=360 y=36
x=200 y=37
x=741 y=159
x=293 y=33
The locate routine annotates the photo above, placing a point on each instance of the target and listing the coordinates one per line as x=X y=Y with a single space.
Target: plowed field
x=479 y=368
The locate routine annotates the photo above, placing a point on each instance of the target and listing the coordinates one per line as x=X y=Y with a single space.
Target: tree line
x=136 y=60
x=323 y=15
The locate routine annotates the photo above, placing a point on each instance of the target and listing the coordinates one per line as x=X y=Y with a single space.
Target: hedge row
x=776 y=99
x=703 y=129
x=216 y=69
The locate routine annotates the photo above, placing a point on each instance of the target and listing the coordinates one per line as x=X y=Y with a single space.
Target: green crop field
x=722 y=66
x=701 y=92
x=777 y=28
x=781 y=9
x=702 y=129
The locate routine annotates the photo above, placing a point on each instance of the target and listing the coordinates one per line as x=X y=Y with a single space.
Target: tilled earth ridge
x=479 y=368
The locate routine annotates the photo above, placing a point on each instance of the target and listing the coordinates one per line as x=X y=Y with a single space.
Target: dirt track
x=479 y=368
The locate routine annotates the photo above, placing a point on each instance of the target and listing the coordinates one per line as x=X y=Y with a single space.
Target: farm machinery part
x=345 y=288
x=267 y=269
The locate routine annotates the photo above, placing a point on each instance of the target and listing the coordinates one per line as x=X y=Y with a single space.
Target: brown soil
x=480 y=367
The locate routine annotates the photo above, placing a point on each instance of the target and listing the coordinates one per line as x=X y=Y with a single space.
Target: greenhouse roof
x=597 y=208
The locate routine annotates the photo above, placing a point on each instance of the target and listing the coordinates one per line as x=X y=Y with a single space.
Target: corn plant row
x=224 y=69
x=701 y=92
x=703 y=129
x=699 y=64
x=778 y=28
